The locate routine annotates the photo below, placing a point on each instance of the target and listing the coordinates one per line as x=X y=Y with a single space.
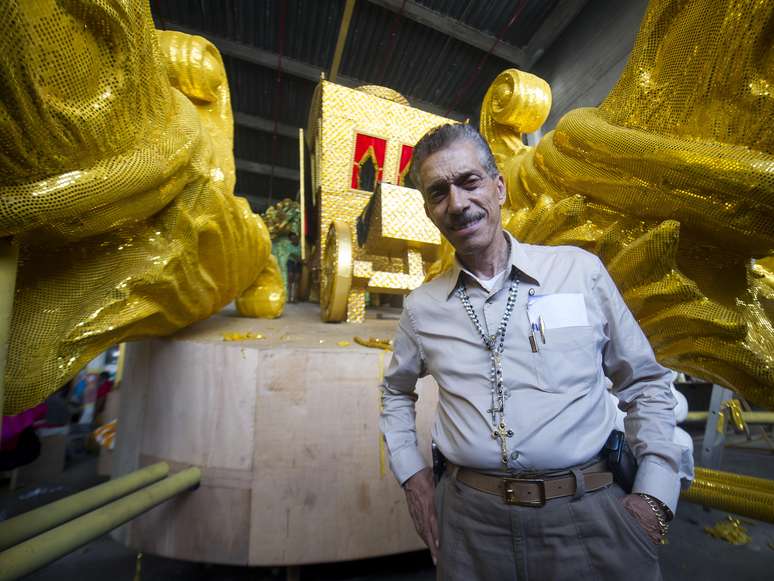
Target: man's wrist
x=662 y=512
x=406 y=462
x=418 y=473
x=667 y=512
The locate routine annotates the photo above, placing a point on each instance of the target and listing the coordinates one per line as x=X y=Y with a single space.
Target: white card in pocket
x=558 y=310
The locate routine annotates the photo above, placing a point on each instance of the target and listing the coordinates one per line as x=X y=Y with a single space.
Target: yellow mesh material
x=116 y=177
x=671 y=182
x=265 y=299
x=384 y=93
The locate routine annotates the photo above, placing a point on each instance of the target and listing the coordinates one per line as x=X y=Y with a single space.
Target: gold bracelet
x=660 y=510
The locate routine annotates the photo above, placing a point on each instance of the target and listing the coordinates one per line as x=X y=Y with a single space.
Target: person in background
x=293 y=267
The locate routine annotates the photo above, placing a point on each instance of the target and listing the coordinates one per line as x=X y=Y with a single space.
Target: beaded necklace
x=495 y=344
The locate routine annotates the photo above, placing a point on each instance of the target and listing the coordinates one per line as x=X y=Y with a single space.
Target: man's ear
x=501 y=193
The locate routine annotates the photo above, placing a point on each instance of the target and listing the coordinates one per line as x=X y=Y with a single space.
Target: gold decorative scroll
x=670 y=181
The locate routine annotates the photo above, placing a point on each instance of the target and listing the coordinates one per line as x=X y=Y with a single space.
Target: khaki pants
x=589 y=538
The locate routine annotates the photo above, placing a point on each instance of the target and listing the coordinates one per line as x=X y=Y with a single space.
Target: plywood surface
x=299 y=326
x=201 y=407
x=286 y=431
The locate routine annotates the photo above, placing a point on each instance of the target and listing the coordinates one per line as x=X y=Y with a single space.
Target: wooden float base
x=285 y=429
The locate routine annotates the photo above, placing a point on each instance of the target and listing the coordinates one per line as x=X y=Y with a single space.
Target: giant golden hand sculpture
x=116 y=180
x=670 y=181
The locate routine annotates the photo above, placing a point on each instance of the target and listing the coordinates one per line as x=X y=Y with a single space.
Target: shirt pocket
x=567 y=361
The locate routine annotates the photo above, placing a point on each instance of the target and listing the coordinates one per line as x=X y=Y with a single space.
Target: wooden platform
x=285 y=429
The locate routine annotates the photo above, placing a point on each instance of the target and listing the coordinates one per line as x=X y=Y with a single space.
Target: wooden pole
x=301 y=194
x=342 y=40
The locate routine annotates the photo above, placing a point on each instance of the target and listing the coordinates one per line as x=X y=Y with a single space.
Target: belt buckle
x=509 y=493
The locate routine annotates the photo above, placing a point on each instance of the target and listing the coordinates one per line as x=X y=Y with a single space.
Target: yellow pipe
x=749 y=417
x=22 y=527
x=9 y=258
x=729 y=489
x=736 y=480
x=39 y=551
x=740 y=501
x=342 y=40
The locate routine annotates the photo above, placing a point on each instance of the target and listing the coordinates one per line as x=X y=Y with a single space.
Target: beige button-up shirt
x=557 y=401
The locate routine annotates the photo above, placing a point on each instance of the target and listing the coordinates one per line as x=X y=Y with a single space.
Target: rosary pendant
x=502 y=433
x=499 y=394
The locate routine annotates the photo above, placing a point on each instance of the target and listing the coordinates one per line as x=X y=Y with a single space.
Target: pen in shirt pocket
x=533 y=328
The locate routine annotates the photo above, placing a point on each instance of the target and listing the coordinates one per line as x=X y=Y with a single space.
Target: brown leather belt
x=533 y=491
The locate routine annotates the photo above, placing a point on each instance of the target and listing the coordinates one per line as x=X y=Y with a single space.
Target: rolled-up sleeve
x=398 y=418
x=643 y=387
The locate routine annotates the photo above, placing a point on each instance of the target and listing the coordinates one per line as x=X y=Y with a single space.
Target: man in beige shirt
x=524 y=342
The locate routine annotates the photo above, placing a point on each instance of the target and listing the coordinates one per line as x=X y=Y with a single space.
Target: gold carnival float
x=117 y=179
x=117 y=185
x=670 y=181
x=374 y=234
x=116 y=182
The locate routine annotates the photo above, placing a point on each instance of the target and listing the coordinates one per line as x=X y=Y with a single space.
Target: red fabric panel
x=405 y=161
x=363 y=144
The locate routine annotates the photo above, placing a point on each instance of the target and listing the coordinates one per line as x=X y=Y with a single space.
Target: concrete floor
x=691 y=553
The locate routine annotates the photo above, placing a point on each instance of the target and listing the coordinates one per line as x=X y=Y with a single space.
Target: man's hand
x=639 y=508
x=420 y=494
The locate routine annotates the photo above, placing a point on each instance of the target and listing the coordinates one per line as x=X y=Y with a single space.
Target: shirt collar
x=517 y=259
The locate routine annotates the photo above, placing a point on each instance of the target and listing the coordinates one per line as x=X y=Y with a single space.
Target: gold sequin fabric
x=264 y=299
x=730 y=530
x=671 y=182
x=116 y=180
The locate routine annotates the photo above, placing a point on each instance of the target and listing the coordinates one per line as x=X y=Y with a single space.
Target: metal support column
x=9 y=258
x=346 y=18
x=714 y=431
x=301 y=195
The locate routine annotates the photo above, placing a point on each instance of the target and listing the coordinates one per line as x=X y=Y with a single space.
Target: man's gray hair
x=443 y=136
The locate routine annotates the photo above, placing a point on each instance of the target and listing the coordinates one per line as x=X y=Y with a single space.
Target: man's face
x=461 y=198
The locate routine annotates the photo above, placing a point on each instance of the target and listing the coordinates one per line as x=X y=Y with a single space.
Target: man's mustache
x=460 y=222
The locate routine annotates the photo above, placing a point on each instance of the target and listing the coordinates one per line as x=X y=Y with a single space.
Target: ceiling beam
x=259 y=200
x=266 y=169
x=270 y=60
x=255 y=55
x=267 y=125
x=456 y=29
x=564 y=13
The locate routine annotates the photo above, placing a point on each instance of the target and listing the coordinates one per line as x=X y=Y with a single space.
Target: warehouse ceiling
x=441 y=55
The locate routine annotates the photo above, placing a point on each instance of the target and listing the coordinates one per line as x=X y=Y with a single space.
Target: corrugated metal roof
x=311 y=26
x=494 y=15
x=263 y=147
x=383 y=47
x=387 y=49
x=254 y=91
x=257 y=187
